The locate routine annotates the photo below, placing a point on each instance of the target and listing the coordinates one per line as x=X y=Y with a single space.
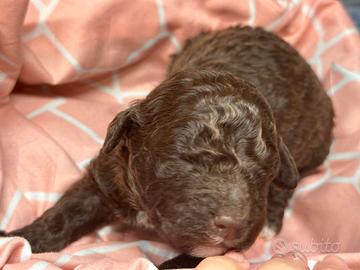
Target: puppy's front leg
x=277 y=201
x=181 y=261
x=80 y=211
x=280 y=191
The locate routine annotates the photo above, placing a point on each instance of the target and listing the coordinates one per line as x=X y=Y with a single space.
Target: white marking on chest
x=142 y=221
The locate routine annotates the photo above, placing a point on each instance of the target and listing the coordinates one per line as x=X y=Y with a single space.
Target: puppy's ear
x=119 y=128
x=288 y=175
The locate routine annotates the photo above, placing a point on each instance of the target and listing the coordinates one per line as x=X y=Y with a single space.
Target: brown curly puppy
x=211 y=156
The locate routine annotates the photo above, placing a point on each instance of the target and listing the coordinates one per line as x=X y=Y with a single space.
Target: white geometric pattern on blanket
x=164 y=33
x=278 y=22
x=252 y=13
x=42 y=196
x=39 y=265
x=348 y=76
x=7 y=60
x=144 y=246
x=10 y=209
x=42 y=29
x=323 y=46
x=2 y=76
x=115 y=90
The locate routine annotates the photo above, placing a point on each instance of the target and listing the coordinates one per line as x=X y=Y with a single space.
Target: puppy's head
x=202 y=150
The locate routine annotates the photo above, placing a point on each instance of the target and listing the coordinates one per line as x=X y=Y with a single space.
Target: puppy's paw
x=268 y=233
x=181 y=261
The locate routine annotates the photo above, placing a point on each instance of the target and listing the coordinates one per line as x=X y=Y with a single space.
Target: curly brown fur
x=210 y=156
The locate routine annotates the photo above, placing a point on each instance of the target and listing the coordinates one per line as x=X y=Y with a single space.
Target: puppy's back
x=303 y=111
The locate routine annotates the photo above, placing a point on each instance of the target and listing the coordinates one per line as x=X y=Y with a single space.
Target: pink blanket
x=76 y=63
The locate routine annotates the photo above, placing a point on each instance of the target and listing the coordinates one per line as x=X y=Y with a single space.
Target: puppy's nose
x=228 y=228
x=225 y=222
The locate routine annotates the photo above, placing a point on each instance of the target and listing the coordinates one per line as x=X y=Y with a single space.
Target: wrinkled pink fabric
x=77 y=63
